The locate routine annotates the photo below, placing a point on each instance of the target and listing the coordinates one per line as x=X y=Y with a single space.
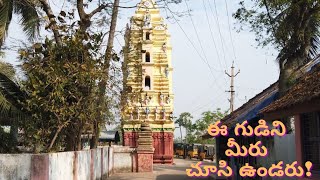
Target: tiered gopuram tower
x=147 y=81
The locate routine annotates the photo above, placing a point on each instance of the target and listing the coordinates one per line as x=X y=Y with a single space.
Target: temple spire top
x=147 y=4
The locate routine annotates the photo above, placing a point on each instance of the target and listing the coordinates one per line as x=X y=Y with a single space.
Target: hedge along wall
x=79 y=165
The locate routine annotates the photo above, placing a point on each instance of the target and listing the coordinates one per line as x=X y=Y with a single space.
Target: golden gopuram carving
x=147 y=81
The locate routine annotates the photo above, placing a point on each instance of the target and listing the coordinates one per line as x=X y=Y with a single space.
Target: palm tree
x=298 y=29
x=184 y=120
x=10 y=111
x=29 y=17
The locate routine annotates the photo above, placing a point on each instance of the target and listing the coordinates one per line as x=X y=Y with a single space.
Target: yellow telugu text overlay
x=243 y=129
x=276 y=170
x=254 y=150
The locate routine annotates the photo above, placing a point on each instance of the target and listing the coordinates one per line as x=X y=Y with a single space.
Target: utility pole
x=232 y=91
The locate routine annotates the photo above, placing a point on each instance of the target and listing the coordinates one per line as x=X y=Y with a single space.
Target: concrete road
x=163 y=172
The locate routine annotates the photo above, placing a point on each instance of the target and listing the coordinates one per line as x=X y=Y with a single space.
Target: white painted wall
x=15 y=166
x=61 y=166
x=99 y=163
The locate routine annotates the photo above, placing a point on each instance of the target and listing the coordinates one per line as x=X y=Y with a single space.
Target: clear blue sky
x=196 y=87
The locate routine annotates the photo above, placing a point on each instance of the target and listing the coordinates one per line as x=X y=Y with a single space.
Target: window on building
x=147 y=83
x=147 y=35
x=311 y=139
x=147 y=57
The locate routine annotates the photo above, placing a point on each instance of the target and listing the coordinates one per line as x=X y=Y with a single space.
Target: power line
x=197 y=35
x=192 y=102
x=219 y=29
x=118 y=41
x=209 y=103
x=212 y=37
x=173 y=16
x=198 y=38
x=195 y=29
x=227 y=9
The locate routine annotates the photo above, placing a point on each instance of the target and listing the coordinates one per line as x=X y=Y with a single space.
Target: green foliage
x=199 y=128
x=10 y=108
x=184 y=120
x=62 y=87
x=201 y=125
x=7 y=70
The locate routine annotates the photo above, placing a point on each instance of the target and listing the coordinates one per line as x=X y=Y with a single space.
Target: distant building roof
x=108 y=136
x=305 y=90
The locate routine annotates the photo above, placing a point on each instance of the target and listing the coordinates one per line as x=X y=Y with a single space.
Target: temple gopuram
x=147 y=95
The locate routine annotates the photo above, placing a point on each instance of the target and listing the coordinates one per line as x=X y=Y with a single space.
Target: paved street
x=162 y=172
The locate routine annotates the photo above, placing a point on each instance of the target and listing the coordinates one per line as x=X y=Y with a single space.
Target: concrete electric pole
x=232 y=91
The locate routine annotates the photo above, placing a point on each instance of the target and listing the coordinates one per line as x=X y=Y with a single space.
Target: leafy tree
x=68 y=78
x=64 y=76
x=29 y=17
x=61 y=83
x=292 y=26
x=201 y=125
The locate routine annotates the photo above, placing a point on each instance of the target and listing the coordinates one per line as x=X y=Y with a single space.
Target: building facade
x=147 y=81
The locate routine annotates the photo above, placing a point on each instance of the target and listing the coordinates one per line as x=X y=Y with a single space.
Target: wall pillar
x=163 y=144
x=130 y=139
x=298 y=139
x=144 y=161
x=39 y=167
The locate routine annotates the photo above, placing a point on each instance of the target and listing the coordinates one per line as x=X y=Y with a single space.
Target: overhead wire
x=175 y=19
x=198 y=53
x=219 y=29
x=231 y=38
x=212 y=37
x=198 y=38
x=229 y=29
x=207 y=104
x=201 y=94
x=197 y=35
x=195 y=30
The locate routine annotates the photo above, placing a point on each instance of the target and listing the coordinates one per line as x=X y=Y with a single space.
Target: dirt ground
x=163 y=172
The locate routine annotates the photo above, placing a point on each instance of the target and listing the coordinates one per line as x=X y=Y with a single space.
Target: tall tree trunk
x=14 y=134
x=79 y=142
x=288 y=72
x=55 y=138
x=71 y=139
x=285 y=78
x=103 y=83
x=180 y=133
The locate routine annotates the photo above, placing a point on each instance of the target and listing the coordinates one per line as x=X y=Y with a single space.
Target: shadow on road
x=177 y=177
x=168 y=168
